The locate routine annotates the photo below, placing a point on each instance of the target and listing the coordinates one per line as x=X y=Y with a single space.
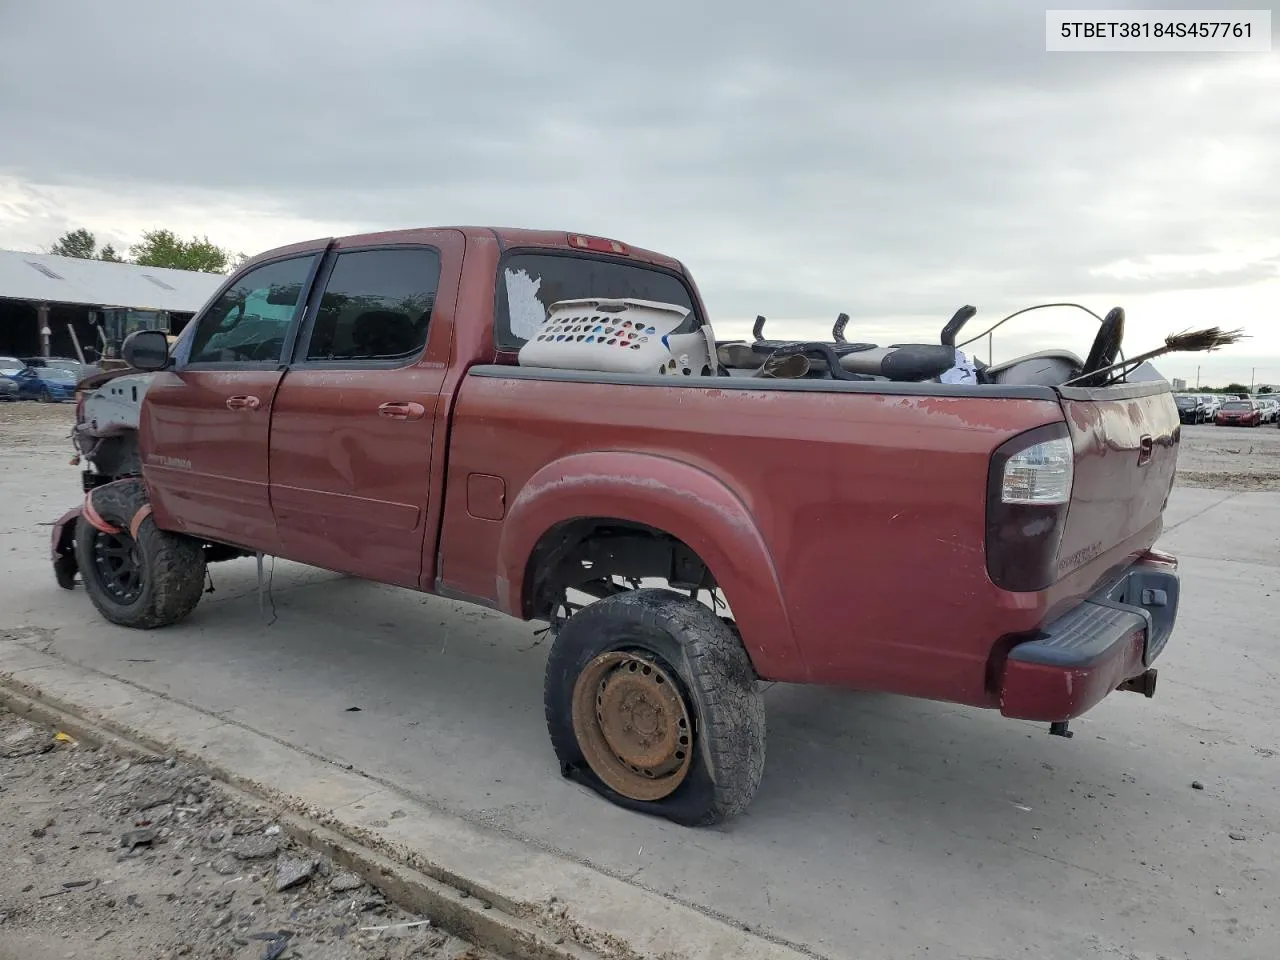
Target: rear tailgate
x=1125 y=440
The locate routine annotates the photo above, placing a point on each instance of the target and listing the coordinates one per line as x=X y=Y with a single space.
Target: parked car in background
x=48 y=384
x=1270 y=409
x=81 y=370
x=1192 y=408
x=8 y=390
x=1238 y=413
x=10 y=367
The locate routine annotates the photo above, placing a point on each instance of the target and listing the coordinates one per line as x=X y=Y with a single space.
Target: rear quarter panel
x=871 y=507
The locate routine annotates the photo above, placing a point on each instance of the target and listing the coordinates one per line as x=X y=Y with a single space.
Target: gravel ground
x=116 y=859
x=27 y=423
x=1230 y=458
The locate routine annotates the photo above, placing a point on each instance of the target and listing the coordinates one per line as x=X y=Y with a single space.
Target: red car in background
x=1239 y=413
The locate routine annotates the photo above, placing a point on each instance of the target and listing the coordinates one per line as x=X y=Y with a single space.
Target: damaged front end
x=105 y=438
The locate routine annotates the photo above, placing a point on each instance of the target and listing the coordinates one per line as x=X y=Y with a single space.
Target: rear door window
x=528 y=283
x=376 y=306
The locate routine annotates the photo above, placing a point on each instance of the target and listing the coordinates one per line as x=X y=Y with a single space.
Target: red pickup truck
x=358 y=404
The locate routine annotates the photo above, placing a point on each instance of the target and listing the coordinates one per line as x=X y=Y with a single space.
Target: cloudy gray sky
x=802 y=158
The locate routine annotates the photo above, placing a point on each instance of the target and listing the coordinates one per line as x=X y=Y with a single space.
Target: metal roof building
x=43 y=277
x=69 y=297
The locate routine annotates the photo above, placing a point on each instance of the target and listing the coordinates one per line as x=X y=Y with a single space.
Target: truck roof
x=505 y=236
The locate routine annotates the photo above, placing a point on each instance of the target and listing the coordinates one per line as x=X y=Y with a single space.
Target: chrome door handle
x=243 y=403
x=402 y=410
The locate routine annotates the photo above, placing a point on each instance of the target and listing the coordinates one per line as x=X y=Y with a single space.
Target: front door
x=207 y=419
x=355 y=416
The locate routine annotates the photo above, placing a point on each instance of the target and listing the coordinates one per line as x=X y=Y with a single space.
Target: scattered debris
x=149 y=798
x=292 y=871
x=392 y=929
x=345 y=882
x=132 y=839
x=254 y=848
x=1197 y=785
x=1237 y=836
x=139 y=851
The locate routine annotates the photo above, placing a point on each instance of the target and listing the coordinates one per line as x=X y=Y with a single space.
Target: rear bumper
x=1113 y=636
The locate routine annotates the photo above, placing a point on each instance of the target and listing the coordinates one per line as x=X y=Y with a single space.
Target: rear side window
x=528 y=283
x=249 y=321
x=376 y=305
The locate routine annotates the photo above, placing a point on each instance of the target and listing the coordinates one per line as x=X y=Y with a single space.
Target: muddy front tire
x=651 y=701
x=140 y=576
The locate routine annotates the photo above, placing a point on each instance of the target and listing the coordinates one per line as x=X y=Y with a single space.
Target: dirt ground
x=108 y=858
x=1230 y=458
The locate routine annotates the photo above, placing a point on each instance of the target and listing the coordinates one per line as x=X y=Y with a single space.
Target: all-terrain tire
x=718 y=683
x=171 y=567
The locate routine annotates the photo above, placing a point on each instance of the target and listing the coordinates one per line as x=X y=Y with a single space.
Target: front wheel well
x=591 y=554
x=113 y=455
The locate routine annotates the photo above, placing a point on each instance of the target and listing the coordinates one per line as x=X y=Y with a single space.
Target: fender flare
x=678 y=498
x=91 y=514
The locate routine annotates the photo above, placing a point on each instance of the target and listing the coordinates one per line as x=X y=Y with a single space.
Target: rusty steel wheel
x=652 y=702
x=632 y=724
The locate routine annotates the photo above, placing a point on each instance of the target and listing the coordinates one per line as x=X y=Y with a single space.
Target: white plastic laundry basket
x=617 y=336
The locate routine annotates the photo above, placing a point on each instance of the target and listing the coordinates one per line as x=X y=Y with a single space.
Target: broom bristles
x=1199 y=341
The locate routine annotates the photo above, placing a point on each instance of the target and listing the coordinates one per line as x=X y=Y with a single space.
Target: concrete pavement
x=884 y=827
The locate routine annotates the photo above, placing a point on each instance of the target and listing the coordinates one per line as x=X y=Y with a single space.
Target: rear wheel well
x=603 y=556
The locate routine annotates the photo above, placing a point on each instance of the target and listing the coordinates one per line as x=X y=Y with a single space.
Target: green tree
x=108 y=252
x=1239 y=388
x=1264 y=389
x=164 y=248
x=80 y=244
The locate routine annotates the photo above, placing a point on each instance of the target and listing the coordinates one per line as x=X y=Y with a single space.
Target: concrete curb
x=498 y=891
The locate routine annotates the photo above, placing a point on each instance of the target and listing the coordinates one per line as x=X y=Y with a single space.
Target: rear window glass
x=529 y=283
x=1237 y=405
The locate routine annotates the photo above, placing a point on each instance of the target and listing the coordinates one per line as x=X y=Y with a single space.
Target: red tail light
x=1028 y=493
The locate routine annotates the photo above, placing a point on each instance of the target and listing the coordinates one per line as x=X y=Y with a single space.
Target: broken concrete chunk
x=254 y=848
x=224 y=866
x=25 y=732
x=132 y=839
x=345 y=882
x=292 y=871
x=149 y=797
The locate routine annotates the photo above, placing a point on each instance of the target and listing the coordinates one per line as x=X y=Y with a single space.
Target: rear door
x=206 y=421
x=1125 y=440
x=355 y=417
